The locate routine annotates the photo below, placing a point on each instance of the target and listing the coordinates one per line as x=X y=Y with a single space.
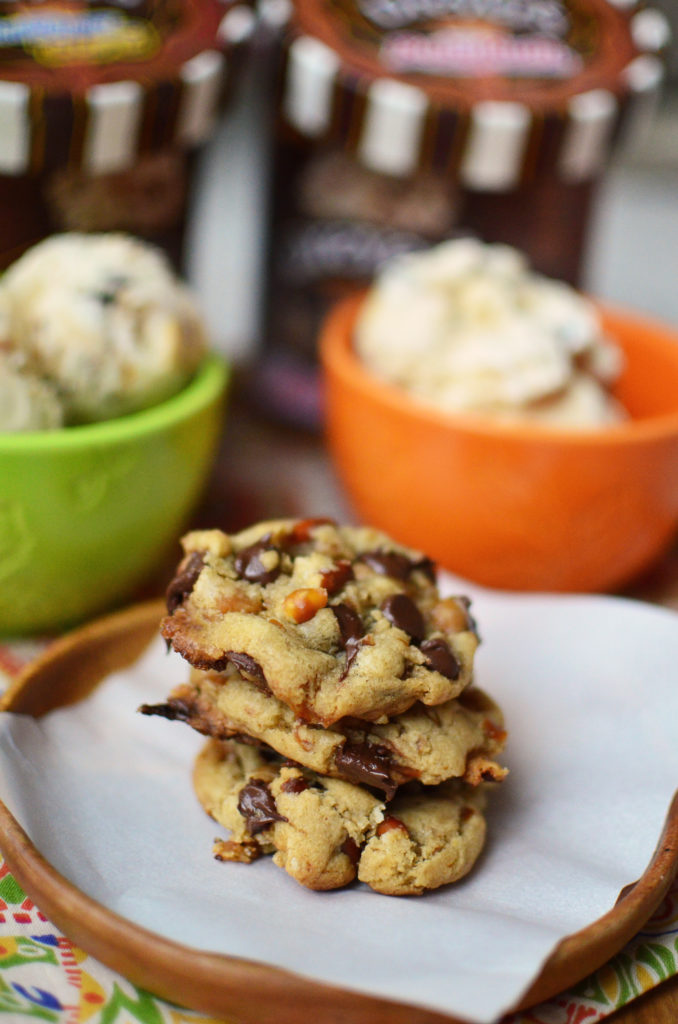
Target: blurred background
x=317 y=138
x=632 y=255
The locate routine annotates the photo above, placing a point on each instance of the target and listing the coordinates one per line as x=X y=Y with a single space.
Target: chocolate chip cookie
x=457 y=739
x=326 y=832
x=334 y=621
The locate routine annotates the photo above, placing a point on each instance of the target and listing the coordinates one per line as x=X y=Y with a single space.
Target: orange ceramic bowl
x=515 y=507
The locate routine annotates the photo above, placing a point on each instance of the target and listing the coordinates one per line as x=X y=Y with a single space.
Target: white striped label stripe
x=587 y=136
x=115 y=110
x=201 y=76
x=311 y=72
x=495 y=149
x=393 y=128
x=15 y=135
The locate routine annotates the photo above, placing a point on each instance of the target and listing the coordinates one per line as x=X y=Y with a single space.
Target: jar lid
x=492 y=92
x=97 y=85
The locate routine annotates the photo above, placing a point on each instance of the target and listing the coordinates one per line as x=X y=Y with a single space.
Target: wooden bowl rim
x=216 y=983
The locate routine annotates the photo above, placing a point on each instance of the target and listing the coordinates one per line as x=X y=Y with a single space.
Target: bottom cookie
x=326 y=832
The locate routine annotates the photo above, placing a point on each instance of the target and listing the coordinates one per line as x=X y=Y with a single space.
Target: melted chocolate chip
x=471 y=623
x=294 y=785
x=334 y=579
x=351 y=849
x=400 y=610
x=183 y=583
x=351 y=630
x=349 y=622
x=249 y=667
x=257 y=806
x=352 y=646
x=174 y=710
x=179 y=710
x=249 y=566
x=397 y=565
x=388 y=563
x=355 y=724
x=427 y=566
x=441 y=659
x=364 y=763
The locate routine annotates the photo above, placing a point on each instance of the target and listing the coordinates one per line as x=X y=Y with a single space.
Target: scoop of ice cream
x=104 y=319
x=26 y=402
x=468 y=327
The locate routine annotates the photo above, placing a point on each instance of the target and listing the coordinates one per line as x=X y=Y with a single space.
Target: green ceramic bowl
x=88 y=513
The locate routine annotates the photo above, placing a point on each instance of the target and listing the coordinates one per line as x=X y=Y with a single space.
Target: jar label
x=56 y=37
x=477 y=38
x=462 y=51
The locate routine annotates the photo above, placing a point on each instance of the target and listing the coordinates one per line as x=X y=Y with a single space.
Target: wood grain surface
x=658 y=1006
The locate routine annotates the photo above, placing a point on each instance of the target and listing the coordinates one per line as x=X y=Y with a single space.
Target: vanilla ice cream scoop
x=469 y=327
x=103 y=320
x=26 y=402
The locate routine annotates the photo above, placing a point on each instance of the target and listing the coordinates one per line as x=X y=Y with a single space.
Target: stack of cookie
x=335 y=685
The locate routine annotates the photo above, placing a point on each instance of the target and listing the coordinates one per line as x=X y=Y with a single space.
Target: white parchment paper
x=589 y=686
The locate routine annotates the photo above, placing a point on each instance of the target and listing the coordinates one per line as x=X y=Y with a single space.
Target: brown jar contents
x=105 y=112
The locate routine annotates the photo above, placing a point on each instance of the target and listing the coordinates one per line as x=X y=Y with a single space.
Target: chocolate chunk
x=257 y=806
x=368 y=764
x=401 y=610
x=440 y=658
x=349 y=622
x=249 y=667
x=183 y=583
x=249 y=566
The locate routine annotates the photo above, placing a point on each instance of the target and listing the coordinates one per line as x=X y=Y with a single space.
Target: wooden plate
x=226 y=986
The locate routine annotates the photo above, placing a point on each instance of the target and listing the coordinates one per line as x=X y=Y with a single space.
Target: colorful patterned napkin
x=45 y=977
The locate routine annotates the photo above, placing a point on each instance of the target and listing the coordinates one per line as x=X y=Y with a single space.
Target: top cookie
x=333 y=620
